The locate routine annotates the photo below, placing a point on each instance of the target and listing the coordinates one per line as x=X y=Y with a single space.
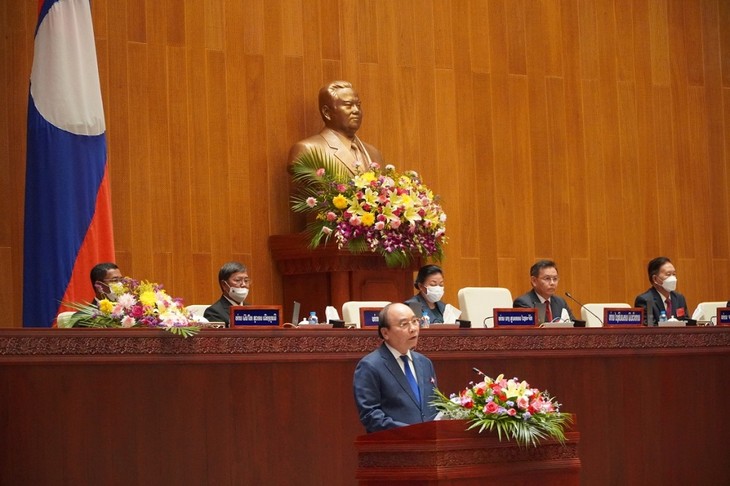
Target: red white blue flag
x=68 y=223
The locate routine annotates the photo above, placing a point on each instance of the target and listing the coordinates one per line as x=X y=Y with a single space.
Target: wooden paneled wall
x=594 y=132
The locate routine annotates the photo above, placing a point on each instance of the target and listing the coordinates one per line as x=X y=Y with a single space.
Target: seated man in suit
x=235 y=283
x=102 y=275
x=393 y=385
x=544 y=279
x=661 y=296
x=339 y=107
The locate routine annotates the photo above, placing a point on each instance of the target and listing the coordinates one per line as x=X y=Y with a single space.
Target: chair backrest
x=197 y=309
x=597 y=309
x=707 y=310
x=351 y=309
x=63 y=317
x=478 y=303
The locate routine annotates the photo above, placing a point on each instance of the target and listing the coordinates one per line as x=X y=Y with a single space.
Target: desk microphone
x=486 y=319
x=584 y=307
x=479 y=372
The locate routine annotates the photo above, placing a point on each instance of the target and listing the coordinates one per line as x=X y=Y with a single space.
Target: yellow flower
x=147 y=298
x=364 y=179
x=340 y=201
x=105 y=306
x=368 y=219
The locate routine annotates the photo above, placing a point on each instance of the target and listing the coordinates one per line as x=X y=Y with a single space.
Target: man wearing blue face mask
x=662 y=295
x=430 y=285
x=235 y=283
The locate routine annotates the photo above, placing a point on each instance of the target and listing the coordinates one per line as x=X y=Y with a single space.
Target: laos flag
x=68 y=223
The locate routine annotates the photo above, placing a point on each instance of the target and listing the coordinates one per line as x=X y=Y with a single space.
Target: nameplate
x=622 y=316
x=243 y=316
x=370 y=316
x=723 y=316
x=515 y=317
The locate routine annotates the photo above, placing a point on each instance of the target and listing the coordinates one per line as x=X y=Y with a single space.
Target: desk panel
x=237 y=407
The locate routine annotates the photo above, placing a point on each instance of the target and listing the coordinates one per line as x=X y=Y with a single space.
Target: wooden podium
x=444 y=452
x=327 y=276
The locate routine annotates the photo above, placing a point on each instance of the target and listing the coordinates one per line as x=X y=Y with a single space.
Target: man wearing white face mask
x=662 y=295
x=430 y=286
x=235 y=283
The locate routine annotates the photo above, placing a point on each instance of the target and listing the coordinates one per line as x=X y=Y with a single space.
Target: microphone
x=584 y=307
x=484 y=323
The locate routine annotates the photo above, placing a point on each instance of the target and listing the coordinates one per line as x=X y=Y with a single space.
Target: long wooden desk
x=233 y=407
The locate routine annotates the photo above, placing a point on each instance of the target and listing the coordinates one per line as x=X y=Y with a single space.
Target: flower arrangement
x=512 y=407
x=136 y=304
x=378 y=210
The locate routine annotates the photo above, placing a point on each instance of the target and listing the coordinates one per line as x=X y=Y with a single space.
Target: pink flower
x=341 y=187
x=511 y=412
x=320 y=172
x=331 y=216
x=523 y=403
x=128 y=321
x=491 y=407
x=395 y=224
x=311 y=202
x=326 y=230
x=379 y=225
x=355 y=221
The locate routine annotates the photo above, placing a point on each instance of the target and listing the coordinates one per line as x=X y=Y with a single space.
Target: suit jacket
x=219 y=311
x=383 y=396
x=531 y=300
x=653 y=302
x=328 y=141
x=419 y=305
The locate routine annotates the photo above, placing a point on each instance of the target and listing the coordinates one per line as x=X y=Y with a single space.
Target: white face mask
x=670 y=283
x=434 y=293
x=238 y=294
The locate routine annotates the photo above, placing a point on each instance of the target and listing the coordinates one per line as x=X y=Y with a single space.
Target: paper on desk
x=451 y=314
x=564 y=316
x=698 y=314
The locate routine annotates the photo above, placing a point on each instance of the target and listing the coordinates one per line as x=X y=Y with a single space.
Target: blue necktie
x=411 y=379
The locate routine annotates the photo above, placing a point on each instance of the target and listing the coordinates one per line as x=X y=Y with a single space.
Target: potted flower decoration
x=137 y=304
x=512 y=407
x=379 y=209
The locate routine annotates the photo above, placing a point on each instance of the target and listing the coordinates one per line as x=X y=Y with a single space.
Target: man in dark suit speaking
x=544 y=279
x=394 y=385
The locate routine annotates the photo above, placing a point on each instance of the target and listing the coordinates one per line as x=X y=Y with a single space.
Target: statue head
x=339 y=107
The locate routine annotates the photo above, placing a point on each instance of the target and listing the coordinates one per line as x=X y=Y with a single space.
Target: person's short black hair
x=539 y=265
x=424 y=272
x=98 y=273
x=383 y=319
x=229 y=268
x=654 y=266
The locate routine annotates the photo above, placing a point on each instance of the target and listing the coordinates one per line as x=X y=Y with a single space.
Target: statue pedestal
x=326 y=276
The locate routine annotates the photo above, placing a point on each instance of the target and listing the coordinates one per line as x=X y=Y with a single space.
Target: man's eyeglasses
x=550 y=279
x=415 y=321
x=242 y=281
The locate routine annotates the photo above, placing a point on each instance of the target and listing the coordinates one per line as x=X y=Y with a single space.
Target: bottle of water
x=425 y=321
x=313 y=318
x=663 y=316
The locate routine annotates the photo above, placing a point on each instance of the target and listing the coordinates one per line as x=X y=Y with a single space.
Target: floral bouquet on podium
x=135 y=304
x=512 y=407
x=378 y=210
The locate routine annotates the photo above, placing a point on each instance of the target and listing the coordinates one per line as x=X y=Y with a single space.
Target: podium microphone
x=479 y=372
x=584 y=307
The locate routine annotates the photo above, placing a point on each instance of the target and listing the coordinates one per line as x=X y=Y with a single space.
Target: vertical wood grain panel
x=722 y=22
x=478 y=35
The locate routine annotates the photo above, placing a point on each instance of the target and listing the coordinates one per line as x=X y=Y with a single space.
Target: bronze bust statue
x=340 y=109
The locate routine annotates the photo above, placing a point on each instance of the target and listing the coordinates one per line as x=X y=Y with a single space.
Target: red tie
x=548 y=312
x=668 y=306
